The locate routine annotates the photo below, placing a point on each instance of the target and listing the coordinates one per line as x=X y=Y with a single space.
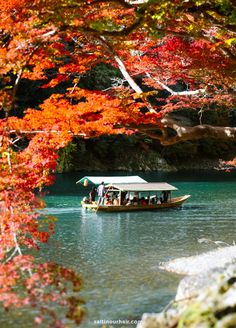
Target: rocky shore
x=206 y=297
x=123 y=155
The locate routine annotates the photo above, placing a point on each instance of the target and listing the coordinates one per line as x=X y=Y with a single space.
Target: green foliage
x=195 y=317
x=99 y=77
x=105 y=24
x=183 y=151
x=212 y=148
x=212 y=116
x=66 y=155
x=110 y=152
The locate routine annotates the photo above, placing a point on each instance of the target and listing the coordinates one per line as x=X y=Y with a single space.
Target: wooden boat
x=135 y=191
x=175 y=202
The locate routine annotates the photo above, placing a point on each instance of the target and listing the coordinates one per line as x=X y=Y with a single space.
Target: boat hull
x=175 y=202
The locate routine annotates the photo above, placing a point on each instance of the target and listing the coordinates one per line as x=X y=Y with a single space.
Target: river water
x=118 y=254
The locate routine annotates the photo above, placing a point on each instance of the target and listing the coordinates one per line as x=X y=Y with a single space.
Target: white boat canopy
x=149 y=186
x=113 y=180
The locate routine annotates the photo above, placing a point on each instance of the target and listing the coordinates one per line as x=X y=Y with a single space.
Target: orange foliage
x=67 y=39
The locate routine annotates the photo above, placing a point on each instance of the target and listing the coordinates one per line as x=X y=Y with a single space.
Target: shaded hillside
x=135 y=152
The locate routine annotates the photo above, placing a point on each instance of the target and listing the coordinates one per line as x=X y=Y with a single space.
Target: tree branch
x=137 y=2
x=44 y=131
x=11 y=256
x=174 y=93
x=183 y=132
x=126 y=75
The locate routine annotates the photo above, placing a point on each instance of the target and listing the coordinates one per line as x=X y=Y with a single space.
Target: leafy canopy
x=181 y=52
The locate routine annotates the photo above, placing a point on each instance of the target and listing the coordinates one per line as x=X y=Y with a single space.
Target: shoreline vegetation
x=122 y=153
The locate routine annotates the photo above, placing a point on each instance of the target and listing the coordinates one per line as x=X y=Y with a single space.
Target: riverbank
x=122 y=153
x=206 y=297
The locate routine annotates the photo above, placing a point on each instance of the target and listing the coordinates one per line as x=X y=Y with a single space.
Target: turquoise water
x=118 y=254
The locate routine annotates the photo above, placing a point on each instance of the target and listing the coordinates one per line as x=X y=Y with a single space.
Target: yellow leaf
x=230 y=41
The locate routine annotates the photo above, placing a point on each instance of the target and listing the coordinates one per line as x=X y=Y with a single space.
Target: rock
x=200 y=263
x=213 y=303
x=204 y=299
x=228 y=322
x=160 y=320
x=189 y=286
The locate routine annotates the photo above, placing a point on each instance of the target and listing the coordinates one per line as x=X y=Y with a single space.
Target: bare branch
x=17 y=245
x=197 y=132
x=174 y=93
x=50 y=33
x=9 y=157
x=44 y=131
x=136 y=2
x=11 y=256
x=182 y=132
x=127 y=76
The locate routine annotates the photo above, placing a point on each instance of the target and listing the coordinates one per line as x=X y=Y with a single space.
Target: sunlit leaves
x=164 y=45
x=48 y=285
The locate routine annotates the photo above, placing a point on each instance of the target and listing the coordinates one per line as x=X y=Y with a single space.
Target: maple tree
x=184 y=54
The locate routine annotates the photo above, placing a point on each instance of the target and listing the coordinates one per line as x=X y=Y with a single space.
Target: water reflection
x=118 y=254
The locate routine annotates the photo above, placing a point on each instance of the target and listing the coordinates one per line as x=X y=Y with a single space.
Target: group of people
x=100 y=191
x=145 y=200
x=105 y=198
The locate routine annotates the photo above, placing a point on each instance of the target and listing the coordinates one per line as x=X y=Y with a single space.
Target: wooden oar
x=103 y=197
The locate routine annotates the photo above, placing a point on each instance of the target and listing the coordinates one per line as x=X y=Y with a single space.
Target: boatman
x=101 y=193
x=92 y=195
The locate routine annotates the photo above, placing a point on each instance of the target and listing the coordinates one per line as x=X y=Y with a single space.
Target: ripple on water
x=118 y=254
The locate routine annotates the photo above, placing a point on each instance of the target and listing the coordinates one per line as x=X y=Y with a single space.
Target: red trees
x=67 y=38
x=23 y=281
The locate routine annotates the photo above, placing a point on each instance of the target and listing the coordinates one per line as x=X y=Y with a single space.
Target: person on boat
x=101 y=193
x=123 y=199
x=165 y=196
x=136 y=195
x=158 y=200
x=135 y=201
x=108 y=200
x=85 y=200
x=92 y=194
x=129 y=202
x=148 y=200
x=152 y=200
x=143 y=201
x=115 y=201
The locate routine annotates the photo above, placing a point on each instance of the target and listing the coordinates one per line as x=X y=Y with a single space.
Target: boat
x=132 y=193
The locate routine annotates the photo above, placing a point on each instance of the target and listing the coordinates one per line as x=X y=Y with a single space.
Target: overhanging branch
x=182 y=132
x=175 y=93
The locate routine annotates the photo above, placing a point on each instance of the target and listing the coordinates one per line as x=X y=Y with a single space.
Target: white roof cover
x=113 y=180
x=150 y=186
